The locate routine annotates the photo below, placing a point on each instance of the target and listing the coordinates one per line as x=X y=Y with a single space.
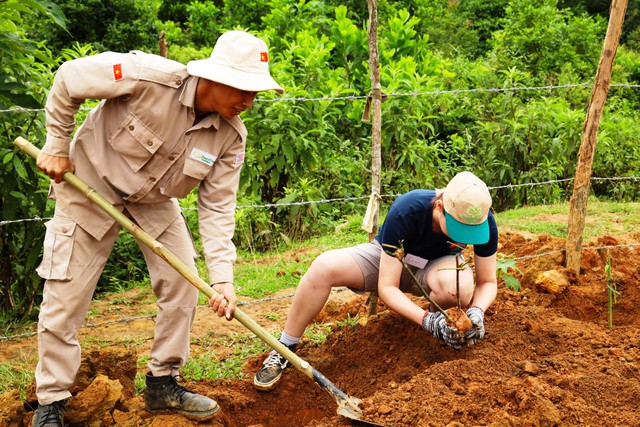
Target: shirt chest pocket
x=135 y=142
x=185 y=179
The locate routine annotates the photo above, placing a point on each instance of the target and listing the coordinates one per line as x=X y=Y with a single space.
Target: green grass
x=132 y=342
x=259 y=275
x=271 y=316
x=317 y=333
x=93 y=341
x=17 y=375
x=210 y=366
x=140 y=380
x=602 y=218
x=93 y=312
x=349 y=321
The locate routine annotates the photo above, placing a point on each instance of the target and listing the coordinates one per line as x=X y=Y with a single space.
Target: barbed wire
x=435 y=92
x=584 y=248
x=306 y=202
x=19 y=109
x=530 y=184
x=282 y=297
x=400 y=94
x=153 y=316
x=356 y=198
x=37 y=218
x=616 y=178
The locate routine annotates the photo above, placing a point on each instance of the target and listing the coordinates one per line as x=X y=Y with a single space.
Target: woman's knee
x=331 y=268
x=449 y=289
x=325 y=263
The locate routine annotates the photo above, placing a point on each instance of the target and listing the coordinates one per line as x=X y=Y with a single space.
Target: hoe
x=347 y=406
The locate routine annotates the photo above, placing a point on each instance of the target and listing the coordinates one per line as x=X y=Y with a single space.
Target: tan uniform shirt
x=141 y=149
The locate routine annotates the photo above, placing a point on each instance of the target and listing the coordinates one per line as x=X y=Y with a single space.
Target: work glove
x=436 y=323
x=476 y=333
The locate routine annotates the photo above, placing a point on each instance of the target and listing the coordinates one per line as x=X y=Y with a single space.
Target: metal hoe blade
x=348 y=406
x=347 y=410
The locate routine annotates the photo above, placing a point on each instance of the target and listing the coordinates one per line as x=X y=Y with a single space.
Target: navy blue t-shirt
x=409 y=225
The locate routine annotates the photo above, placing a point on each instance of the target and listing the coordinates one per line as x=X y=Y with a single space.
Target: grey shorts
x=367 y=256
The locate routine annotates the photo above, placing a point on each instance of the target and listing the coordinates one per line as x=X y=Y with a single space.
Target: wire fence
x=358 y=198
x=19 y=109
x=148 y=316
x=289 y=296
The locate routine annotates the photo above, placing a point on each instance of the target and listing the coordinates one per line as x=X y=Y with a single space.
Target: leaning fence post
x=581 y=183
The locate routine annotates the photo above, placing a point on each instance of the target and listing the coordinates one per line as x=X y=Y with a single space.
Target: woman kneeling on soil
x=431 y=227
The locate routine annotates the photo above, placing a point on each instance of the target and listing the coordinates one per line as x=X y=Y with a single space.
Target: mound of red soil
x=549 y=358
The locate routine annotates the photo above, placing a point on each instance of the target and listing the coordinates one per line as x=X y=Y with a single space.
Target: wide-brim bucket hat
x=239 y=60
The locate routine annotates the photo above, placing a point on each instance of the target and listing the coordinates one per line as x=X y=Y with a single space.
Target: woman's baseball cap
x=467 y=201
x=239 y=60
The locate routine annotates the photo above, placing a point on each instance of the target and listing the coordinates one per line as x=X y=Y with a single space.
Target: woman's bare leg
x=330 y=269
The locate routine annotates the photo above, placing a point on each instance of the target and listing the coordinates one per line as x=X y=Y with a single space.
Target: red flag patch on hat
x=117 y=72
x=264 y=57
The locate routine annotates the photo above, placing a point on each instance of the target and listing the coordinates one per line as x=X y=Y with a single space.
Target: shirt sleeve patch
x=117 y=72
x=239 y=159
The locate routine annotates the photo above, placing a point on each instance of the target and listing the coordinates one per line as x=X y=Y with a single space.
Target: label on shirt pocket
x=203 y=156
x=415 y=261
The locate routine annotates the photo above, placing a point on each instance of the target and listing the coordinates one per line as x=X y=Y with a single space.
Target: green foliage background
x=311 y=143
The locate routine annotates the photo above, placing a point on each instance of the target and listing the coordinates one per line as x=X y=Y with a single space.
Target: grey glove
x=436 y=323
x=476 y=333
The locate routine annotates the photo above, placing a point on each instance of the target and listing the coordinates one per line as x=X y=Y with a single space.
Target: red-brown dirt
x=549 y=358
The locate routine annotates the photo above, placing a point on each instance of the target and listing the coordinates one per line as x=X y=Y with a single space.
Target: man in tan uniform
x=161 y=129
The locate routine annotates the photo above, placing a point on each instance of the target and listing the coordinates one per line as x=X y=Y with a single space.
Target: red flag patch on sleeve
x=117 y=72
x=264 y=57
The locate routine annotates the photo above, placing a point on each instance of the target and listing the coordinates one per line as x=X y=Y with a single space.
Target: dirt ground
x=549 y=357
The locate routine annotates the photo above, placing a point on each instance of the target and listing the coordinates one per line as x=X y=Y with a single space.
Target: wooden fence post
x=162 y=44
x=375 y=100
x=582 y=180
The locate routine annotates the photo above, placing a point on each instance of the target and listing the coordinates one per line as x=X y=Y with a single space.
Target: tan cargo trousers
x=72 y=263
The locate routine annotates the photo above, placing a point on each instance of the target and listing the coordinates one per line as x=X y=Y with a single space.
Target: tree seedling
x=503 y=265
x=612 y=292
x=455 y=316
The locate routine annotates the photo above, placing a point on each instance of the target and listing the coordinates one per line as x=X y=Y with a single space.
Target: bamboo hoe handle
x=174 y=261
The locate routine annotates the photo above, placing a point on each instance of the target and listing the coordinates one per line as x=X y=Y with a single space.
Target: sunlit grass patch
x=18 y=375
x=211 y=366
x=601 y=218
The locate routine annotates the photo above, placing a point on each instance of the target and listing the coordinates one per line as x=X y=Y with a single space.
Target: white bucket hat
x=239 y=60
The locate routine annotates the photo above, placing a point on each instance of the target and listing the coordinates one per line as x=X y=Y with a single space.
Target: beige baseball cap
x=239 y=60
x=467 y=202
